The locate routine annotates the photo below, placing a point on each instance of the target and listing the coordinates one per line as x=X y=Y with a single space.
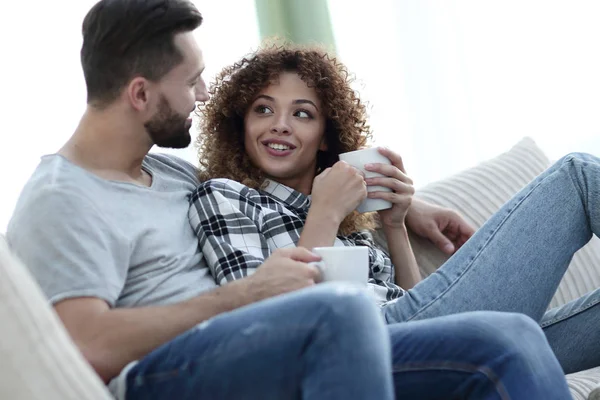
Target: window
x=454 y=82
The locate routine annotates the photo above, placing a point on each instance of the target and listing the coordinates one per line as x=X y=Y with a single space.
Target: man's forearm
x=117 y=337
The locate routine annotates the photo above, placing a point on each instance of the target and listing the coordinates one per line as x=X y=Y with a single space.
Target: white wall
x=450 y=82
x=453 y=82
x=43 y=91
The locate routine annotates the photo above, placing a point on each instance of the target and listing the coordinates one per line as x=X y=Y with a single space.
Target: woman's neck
x=302 y=185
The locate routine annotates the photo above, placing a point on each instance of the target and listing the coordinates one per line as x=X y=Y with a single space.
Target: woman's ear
x=323 y=146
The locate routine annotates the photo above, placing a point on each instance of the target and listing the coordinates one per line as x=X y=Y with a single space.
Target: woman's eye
x=303 y=114
x=263 y=110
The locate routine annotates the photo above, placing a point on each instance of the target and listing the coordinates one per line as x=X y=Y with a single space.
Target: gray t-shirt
x=81 y=235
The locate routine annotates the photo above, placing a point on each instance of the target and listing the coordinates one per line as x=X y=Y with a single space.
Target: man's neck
x=110 y=144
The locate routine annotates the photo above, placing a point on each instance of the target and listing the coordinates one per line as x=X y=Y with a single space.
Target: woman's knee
x=579 y=158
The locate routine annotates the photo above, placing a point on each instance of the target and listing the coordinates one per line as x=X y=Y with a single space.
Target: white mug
x=345 y=264
x=358 y=159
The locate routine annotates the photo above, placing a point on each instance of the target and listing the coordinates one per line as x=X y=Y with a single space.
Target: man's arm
x=111 y=338
x=80 y=261
x=444 y=227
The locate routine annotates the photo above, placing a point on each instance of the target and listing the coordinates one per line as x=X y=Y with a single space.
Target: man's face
x=179 y=91
x=168 y=128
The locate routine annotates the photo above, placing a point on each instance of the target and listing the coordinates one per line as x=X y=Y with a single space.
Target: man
x=103 y=227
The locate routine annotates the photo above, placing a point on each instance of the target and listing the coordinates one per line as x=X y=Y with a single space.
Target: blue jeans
x=516 y=261
x=330 y=342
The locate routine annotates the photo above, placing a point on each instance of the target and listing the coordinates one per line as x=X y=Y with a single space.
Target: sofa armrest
x=39 y=360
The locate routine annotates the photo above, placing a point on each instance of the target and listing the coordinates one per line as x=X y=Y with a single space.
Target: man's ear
x=138 y=93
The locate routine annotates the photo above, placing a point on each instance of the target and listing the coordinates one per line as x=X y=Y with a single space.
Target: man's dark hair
x=123 y=39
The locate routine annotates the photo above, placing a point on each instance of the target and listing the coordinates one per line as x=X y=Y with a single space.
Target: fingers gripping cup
x=358 y=159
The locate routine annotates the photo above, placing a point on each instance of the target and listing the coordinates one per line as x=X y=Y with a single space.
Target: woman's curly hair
x=221 y=140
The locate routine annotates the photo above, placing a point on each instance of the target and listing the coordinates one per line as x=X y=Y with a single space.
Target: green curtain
x=299 y=21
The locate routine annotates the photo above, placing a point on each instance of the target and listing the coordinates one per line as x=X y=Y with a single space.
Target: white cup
x=358 y=159
x=344 y=264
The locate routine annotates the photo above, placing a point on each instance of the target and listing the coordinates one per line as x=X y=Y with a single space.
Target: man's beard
x=167 y=128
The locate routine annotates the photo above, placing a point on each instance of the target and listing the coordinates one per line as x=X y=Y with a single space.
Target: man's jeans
x=516 y=261
x=330 y=342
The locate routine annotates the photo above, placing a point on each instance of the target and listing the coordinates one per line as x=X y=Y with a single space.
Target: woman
x=293 y=112
x=293 y=160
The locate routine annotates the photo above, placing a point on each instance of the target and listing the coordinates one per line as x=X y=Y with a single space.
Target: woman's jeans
x=516 y=261
x=330 y=342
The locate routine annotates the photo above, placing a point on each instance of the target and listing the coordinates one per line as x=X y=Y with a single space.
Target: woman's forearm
x=320 y=230
x=403 y=257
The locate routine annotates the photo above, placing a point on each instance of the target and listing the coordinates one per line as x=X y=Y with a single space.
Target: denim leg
x=326 y=342
x=572 y=330
x=516 y=261
x=477 y=355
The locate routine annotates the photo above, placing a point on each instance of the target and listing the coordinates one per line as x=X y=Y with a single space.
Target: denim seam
x=578 y=310
x=480 y=250
x=584 y=307
x=571 y=160
x=457 y=367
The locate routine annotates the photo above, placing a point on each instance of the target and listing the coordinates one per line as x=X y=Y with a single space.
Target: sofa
x=39 y=360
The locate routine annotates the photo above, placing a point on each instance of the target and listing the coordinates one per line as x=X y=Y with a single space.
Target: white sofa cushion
x=39 y=360
x=582 y=384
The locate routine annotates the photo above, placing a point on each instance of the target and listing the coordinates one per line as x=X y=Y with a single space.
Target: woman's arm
x=320 y=229
x=336 y=192
x=393 y=219
x=403 y=257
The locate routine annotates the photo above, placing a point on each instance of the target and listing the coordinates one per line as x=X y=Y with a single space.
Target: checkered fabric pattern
x=238 y=228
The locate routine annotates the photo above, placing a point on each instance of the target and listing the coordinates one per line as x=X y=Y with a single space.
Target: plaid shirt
x=238 y=228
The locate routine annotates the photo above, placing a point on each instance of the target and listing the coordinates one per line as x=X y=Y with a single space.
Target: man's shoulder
x=226 y=187
x=55 y=176
x=225 y=184
x=58 y=193
x=172 y=166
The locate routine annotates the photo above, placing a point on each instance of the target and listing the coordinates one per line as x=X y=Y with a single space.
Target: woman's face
x=284 y=127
